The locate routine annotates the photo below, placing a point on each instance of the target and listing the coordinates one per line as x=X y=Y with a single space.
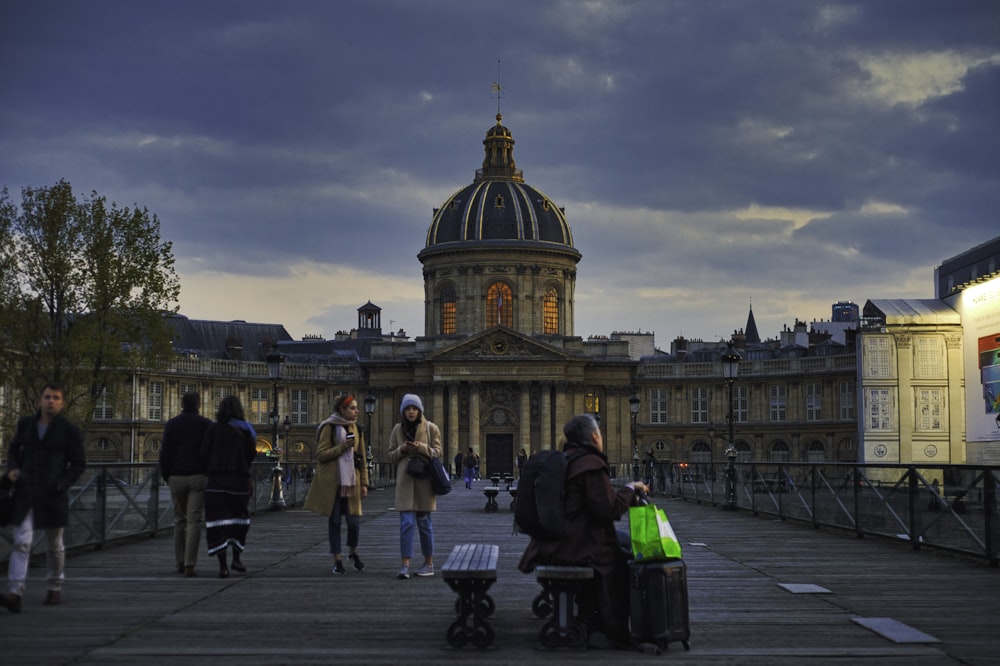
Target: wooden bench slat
x=472 y=561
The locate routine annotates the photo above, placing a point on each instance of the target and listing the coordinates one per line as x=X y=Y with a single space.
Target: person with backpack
x=469 y=461
x=592 y=505
x=341 y=480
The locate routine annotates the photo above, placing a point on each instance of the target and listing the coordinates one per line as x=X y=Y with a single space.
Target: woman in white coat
x=414 y=436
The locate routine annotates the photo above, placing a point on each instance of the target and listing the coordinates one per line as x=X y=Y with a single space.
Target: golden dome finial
x=497 y=88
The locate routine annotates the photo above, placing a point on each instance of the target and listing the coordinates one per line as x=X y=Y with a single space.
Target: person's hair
x=341 y=402
x=580 y=428
x=190 y=400
x=52 y=386
x=230 y=408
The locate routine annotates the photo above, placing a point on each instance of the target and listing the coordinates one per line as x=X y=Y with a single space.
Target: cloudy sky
x=708 y=154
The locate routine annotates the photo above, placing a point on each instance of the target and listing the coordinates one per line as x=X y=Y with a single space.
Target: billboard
x=979 y=306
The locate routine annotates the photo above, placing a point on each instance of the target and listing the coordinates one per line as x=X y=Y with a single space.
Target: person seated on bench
x=592 y=507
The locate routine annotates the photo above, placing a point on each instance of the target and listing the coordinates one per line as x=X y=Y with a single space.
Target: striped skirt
x=227 y=517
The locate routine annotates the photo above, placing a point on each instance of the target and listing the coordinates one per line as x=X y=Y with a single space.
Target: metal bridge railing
x=947 y=507
x=120 y=501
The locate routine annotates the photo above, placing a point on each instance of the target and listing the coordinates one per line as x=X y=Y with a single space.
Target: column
x=545 y=416
x=453 y=446
x=474 y=416
x=524 y=417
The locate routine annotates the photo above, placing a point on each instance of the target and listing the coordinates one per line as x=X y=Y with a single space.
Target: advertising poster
x=980 y=309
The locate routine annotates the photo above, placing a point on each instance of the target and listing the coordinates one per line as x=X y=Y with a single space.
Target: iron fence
x=119 y=501
x=947 y=507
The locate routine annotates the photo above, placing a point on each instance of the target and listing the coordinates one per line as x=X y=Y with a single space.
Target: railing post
x=154 y=498
x=100 y=508
x=989 y=515
x=911 y=496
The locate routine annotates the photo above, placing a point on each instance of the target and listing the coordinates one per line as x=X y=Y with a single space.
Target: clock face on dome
x=499 y=346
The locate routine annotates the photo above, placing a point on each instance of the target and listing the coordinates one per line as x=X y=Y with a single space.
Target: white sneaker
x=426 y=570
x=404 y=573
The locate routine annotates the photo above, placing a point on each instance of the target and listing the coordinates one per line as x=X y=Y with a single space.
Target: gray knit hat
x=411 y=400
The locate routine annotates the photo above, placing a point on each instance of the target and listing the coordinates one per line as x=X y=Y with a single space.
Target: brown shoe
x=11 y=602
x=189 y=572
x=52 y=598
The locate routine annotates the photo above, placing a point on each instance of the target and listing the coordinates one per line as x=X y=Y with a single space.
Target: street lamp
x=730 y=368
x=369 y=410
x=633 y=408
x=275 y=360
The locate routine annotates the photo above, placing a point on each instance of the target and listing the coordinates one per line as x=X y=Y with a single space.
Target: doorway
x=499 y=454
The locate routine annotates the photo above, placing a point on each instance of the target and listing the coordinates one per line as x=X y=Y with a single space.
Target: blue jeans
x=408 y=520
x=353 y=526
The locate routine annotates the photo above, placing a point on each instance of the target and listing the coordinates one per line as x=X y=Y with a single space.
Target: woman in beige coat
x=341 y=480
x=415 y=500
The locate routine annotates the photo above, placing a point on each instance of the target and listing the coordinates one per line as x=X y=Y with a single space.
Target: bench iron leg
x=473 y=607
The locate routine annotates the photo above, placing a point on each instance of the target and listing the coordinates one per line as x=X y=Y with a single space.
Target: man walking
x=183 y=470
x=44 y=459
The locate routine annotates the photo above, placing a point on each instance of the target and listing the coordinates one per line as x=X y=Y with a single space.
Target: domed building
x=498 y=366
x=499 y=252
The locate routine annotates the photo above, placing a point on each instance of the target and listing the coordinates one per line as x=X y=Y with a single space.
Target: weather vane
x=497 y=87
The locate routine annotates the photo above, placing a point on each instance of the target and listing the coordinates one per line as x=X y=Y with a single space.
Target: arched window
x=743 y=452
x=780 y=452
x=499 y=305
x=449 y=304
x=550 y=311
x=701 y=459
x=816 y=452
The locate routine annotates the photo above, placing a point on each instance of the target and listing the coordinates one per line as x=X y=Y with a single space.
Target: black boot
x=237 y=564
x=223 y=568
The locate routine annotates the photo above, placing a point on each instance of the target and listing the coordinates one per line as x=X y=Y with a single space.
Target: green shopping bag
x=652 y=536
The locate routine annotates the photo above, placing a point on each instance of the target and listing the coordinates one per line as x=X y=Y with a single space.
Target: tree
x=85 y=290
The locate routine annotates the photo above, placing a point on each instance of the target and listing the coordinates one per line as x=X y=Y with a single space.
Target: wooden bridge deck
x=126 y=605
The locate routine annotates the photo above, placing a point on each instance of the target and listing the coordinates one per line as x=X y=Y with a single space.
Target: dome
x=498 y=207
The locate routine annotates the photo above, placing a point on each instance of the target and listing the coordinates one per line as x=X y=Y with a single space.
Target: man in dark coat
x=592 y=507
x=44 y=459
x=183 y=470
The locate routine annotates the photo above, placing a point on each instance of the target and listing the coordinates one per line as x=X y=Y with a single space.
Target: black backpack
x=540 y=511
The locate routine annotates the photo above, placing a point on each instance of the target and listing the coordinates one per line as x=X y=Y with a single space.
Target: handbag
x=417 y=467
x=7 y=488
x=651 y=534
x=440 y=479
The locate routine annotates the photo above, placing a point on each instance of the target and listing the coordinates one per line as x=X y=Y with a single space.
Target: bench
x=560 y=587
x=470 y=570
x=491 y=493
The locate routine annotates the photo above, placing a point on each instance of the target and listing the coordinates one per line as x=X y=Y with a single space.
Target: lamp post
x=369 y=410
x=286 y=430
x=275 y=360
x=730 y=368
x=633 y=408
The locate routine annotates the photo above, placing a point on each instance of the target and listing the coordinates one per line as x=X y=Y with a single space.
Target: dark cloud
x=706 y=152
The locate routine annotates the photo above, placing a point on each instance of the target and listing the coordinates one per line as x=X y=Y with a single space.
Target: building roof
x=498 y=206
x=911 y=311
x=236 y=340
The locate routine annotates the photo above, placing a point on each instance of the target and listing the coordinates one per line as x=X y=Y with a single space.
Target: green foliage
x=84 y=290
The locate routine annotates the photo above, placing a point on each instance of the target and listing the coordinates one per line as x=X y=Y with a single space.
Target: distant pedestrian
x=44 y=459
x=458 y=464
x=469 y=460
x=341 y=479
x=227 y=450
x=414 y=436
x=522 y=458
x=182 y=468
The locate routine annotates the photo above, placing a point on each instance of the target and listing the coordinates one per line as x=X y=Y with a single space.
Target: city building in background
x=499 y=365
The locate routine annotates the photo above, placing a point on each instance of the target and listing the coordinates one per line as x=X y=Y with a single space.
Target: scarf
x=345 y=462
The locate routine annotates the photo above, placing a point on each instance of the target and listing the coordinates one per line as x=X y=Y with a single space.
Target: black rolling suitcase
x=658 y=603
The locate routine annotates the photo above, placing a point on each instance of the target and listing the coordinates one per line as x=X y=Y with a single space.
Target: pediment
x=499 y=344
